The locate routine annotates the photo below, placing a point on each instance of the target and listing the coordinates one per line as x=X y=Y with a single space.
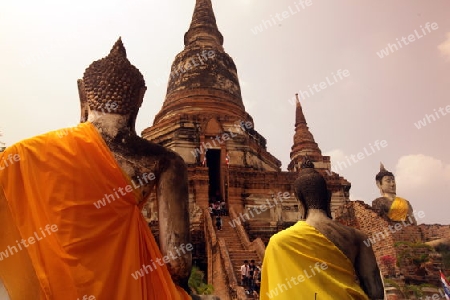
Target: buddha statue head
x=311 y=188
x=112 y=85
x=386 y=182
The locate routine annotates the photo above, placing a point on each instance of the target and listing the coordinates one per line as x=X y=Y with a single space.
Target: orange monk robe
x=72 y=248
x=301 y=263
x=399 y=210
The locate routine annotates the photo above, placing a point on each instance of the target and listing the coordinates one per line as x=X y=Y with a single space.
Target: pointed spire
x=299 y=116
x=303 y=139
x=203 y=25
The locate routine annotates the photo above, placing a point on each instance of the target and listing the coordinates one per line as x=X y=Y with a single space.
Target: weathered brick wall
x=359 y=215
x=400 y=240
x=407 y=233
x=377 y=229
x=435 y=231
x=418 y=263
x=346 y=215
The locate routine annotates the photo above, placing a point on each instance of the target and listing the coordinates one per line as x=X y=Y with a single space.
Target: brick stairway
x=236 y=250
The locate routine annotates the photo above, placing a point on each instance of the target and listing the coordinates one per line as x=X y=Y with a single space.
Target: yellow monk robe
x=301 y=263
x=399 y=210
x=72 y=248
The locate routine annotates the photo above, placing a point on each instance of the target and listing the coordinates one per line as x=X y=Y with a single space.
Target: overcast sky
x=280 y=48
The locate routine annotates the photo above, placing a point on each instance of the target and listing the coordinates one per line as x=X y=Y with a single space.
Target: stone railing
x=236 y=291
x=210 y=232
x=257 y=245
x=219 y=246
x=242 y=234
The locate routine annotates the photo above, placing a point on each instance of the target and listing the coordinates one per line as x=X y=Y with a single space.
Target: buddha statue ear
x=133 y=116
x=329 y=204
x=299 y=196
x=378 y=184
x=83 y=101
x=379 y=187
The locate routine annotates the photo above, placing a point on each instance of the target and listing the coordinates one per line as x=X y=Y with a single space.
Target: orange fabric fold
x=76 y=248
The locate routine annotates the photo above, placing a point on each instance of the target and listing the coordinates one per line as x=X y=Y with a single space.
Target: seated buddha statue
x=70 y=207
x=319 y=258
x=389 y=205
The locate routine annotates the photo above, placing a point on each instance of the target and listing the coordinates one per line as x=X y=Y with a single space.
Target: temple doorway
x=213 y=162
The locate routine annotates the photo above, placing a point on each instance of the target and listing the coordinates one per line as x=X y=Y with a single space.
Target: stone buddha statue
x=111 y=93
x=389 y=205
x=307 y=255
x=89 y=186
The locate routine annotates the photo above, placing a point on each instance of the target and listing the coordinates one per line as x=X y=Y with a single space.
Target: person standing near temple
x=251 y=272
x=245 y=273
x=219 y=222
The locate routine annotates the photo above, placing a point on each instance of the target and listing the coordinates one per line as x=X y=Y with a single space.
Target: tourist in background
x=251 y=272
x=219 y=223
x=245 y=273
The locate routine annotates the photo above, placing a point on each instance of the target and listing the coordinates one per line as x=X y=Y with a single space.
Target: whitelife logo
x=281 y=287
x=265 y=24
x=146 y=177
x=391 y=48
x=431 y=118
x=146 y=269
x=262 y=208
x=86 y=297
x=37 y=236
x=9 y=160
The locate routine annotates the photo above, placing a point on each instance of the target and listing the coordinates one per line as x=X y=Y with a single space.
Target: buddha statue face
x=386 y=182
x=387 y=185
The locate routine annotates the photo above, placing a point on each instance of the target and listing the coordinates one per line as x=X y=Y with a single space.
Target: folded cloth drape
x=301 y=263
x=71 y=247
x=399 y=210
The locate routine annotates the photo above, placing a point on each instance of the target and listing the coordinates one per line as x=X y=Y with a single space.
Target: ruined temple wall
x=377 y=229
x=401 y=241
x=251 y=190
x=359 y=215
x=190 y=133
x=407 y=233
x=434 y=232
x=338 y=199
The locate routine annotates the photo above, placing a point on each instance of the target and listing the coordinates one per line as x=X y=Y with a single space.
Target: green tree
x=197 y=284
x=444 y=250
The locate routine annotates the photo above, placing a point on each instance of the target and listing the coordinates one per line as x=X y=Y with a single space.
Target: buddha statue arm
x=173 y=210
x=368 y=272
x=411 y=215
x=381 y=206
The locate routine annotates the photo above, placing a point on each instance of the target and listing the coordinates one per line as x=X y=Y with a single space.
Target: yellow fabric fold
x=75 y=248
x=301 y=263
x=399 y=210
